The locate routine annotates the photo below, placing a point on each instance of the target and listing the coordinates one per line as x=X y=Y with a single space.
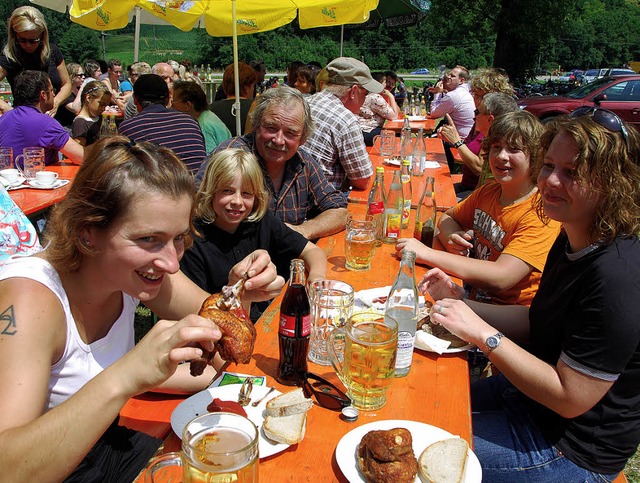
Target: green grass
x=632 y=470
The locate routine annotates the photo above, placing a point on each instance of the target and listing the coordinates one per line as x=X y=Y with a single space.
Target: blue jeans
x=508 y=443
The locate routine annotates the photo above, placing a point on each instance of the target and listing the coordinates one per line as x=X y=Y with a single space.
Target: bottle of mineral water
x=419 y=155
x=393 y=210
x=403 y=306
x=407 y=193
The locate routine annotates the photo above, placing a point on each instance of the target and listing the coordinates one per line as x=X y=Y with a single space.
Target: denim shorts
x=510 y=446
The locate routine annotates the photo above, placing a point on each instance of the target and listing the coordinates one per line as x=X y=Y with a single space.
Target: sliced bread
x=285 y=429
x=289 y=403
x=444 y=461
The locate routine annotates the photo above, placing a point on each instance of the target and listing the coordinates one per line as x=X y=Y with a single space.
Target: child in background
x=86 y=126
x=497 y=223
x=233 y=220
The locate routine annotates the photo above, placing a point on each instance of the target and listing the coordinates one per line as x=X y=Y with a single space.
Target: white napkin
x=391 y=161
x=431 y=165
x=431 y=343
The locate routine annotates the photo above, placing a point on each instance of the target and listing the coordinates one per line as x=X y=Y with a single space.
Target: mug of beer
x=32 y=161
x=360 y=241
x=215 y=447
x=387 y=139
x=331 y=306
x=363 y=354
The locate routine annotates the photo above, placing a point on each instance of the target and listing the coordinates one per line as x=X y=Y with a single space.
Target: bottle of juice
x=407 y=192
x=376 y=203
x=393 y=210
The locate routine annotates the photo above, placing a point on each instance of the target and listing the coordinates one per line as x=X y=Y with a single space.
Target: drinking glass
x=360 y=241
x=215 y=447
x=331 y=306
x=363 y=354
x=6 y=158
x=387 y=142
x=33 y=161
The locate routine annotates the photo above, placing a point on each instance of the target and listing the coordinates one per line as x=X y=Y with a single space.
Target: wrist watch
x=492 y=342
x=457 y=144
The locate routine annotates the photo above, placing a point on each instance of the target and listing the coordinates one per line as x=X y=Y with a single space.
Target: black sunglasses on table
x=326 y=394
x=605 y=118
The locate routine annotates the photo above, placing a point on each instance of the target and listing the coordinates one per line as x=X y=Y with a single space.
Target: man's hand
x=460 y=242
x=437 y=89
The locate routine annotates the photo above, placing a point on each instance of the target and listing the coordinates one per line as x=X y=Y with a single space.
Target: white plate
x=449 y=350
x=417 y=118
x=59 y=183
x=197 y=404
x=423 y=435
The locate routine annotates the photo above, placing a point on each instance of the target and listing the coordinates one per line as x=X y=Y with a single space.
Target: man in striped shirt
x=166 y=127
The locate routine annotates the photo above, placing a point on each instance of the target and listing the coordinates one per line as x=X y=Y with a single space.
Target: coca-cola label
x=376 y=207
x=288 y=325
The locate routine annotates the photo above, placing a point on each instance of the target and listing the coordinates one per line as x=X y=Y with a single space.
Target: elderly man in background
x=137 y=69
x=27 y=125
x=337 y=141
x=299 y=192
x=166 y=127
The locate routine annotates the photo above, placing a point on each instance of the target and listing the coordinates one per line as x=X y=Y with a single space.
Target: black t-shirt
x=32 y=62
x=86 y=128
x=223 y=110
x=64 y=116
x=208 y=262
x=586 y=312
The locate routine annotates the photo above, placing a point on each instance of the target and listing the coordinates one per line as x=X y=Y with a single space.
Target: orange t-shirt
x=515 y=230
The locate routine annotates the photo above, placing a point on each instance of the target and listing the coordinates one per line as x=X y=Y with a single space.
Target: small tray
x=58 y=184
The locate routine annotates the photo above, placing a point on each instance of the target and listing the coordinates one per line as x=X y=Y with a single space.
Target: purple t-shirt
x=26 y=126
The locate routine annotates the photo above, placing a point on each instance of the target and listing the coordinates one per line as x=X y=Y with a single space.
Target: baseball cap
x=151 y=87
x=347 y=71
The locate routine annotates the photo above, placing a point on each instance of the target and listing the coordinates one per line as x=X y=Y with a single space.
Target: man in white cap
x=337 y=141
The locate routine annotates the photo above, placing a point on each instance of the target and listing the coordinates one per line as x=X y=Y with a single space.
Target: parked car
x=421 y=71
x=618 y=72
x=618 y=94
x=590 y=75
x=572 y=77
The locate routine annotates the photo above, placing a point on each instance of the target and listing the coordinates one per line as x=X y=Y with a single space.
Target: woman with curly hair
x=566 y=406
x=28 y=48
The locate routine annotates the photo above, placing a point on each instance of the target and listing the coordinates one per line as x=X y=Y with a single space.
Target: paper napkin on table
x=431 y=165
x=428 y=342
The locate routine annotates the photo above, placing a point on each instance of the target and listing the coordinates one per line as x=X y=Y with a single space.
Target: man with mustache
x=298 y=190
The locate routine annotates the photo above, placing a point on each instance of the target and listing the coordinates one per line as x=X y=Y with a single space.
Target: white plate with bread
x=440 y=458
x=196 y=405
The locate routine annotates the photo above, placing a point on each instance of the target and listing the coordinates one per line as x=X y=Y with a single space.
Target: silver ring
x=440 y=309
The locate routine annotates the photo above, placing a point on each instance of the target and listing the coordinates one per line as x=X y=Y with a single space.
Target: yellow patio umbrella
x=221 y=18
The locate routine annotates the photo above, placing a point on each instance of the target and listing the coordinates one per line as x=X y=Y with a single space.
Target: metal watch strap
x=488 y=349
x=457 y=144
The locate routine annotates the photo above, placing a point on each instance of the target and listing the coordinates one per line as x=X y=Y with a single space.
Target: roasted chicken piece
x=385 y=456
x=238 y=332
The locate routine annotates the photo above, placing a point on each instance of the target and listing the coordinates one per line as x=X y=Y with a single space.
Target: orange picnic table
x=32 y=201
x=396 y=125
x=445 y=194
x=435 y=392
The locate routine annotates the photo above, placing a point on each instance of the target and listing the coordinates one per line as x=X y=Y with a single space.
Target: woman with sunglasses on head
x=28 y=48
x=68 y=362
x=566 y=406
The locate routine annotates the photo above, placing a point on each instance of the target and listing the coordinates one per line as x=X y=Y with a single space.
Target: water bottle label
x=288 y=325
x=376 y=208
x=406 y=342
x=394 y=221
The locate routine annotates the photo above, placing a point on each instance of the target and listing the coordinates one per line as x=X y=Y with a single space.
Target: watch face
x=492 y=342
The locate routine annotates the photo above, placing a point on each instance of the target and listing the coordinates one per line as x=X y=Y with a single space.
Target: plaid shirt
x=305 y=191
x=337 y=141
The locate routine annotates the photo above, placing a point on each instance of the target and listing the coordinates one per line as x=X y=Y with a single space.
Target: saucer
x=58 y=183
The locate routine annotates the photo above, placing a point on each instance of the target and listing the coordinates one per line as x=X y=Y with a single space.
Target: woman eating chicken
x=67 y=357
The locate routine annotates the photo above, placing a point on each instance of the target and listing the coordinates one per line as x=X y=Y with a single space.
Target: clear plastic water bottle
x=403 y=306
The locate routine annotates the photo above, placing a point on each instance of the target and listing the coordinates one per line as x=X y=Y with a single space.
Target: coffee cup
x=11 y=175
x=46 y=178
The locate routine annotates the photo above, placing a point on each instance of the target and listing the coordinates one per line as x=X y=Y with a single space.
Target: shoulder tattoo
x=8 y=322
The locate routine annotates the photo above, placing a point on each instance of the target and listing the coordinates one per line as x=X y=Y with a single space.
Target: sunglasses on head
x=604 y=118
x=326 y=394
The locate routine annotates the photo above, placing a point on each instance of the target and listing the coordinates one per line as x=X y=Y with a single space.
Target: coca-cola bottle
x=294 y=328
